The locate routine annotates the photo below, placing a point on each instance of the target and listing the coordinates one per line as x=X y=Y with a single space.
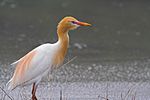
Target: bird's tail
x=10 y=85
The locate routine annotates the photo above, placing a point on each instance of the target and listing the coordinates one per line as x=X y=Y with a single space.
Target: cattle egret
x=37 y=63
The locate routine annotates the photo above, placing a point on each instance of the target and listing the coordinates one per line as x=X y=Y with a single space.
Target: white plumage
x=39 y=66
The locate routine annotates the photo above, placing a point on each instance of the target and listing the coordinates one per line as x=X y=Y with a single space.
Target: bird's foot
x=34 y=98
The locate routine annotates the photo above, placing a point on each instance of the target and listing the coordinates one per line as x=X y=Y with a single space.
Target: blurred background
x=115 y=48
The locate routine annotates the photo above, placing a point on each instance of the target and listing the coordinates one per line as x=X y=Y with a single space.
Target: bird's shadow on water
x=24 y=94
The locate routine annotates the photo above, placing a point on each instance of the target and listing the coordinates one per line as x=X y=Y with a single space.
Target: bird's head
x=70 y=23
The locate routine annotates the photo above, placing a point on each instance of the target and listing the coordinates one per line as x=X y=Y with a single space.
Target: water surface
x=115 y=49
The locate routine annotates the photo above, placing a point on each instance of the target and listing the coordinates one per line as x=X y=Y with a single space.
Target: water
x=120 y=30
x=88 y=91
x=116 y=47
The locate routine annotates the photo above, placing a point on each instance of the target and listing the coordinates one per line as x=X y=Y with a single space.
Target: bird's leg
x=34 y=91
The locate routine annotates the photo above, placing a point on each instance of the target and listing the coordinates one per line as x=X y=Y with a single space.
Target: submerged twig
x=6 y=93
x=133 y=98
x=49 y=75
x=103 y=97
x=130 y=91
x=107 y=92
x=69 y=61
x=106 y=97
x=121 y=96
x=61 y=94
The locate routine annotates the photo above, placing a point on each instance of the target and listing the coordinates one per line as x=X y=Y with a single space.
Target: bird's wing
x=31 y=66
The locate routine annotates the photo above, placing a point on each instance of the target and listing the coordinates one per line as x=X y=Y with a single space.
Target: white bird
x=37 y=63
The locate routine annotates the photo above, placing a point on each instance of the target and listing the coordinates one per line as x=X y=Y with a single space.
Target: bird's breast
x=60 y=54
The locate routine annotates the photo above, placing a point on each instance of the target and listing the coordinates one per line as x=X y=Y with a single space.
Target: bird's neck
x=63 y=42
x=62 y=34
x=63 y=37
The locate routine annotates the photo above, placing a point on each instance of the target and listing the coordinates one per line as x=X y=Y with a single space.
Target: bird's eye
x=73 y=22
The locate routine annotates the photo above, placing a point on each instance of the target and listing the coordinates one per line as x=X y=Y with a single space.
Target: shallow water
x=85 y=91
x=115 y=49
x=120 y=29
